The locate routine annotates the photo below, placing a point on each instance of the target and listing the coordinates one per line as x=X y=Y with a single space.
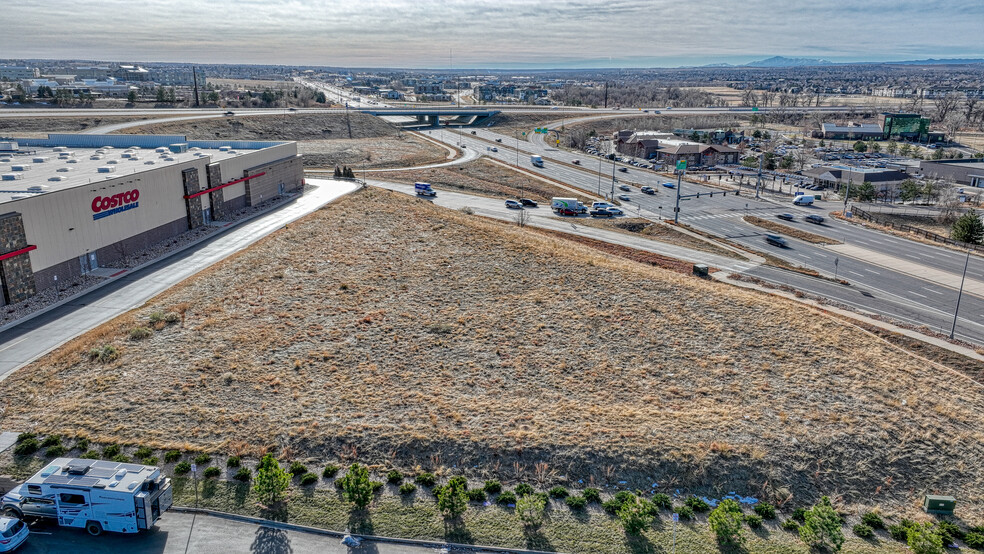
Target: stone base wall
x=217 y=197
x=194 y=205
x=16 y=276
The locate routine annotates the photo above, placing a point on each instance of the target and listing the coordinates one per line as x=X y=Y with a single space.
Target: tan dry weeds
x=390 y=330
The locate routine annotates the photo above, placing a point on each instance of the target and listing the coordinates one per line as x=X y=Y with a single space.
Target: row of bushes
x=818 y=526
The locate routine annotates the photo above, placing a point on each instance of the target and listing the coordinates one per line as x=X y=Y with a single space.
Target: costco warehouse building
x=72 y=203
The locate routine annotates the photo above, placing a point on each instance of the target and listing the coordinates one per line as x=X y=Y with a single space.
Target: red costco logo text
x=103 y=203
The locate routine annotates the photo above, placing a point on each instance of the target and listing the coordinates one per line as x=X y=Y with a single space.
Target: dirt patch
x=294 y=126
x=394 y=331
x=791 y=231
x=481 y=177
x=377 y=153
x=659 y=232
x=39 y=127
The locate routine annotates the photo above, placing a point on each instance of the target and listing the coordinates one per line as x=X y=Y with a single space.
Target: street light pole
x=599 y=176
x=676 y=211
x=959 y=295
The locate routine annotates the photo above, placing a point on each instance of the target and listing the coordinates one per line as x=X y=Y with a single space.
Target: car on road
x=775 y=240
x=615 y=210
x=292 y=110
x=786 y=216
x=623 y=197
x=527 y=202
x=498 y=140
x=648 y=190
x=623 y=169
x=626 y=188
x=814 y=218
x=670 y=185
x=576 y=162
x=601 y=212
x=494 y=149
x=230 y=113
x=513 y=205
x=13 y=533
x=474 y=133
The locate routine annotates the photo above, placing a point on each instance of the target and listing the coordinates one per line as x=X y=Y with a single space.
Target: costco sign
x=105 y=206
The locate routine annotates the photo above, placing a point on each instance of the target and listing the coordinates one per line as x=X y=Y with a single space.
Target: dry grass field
x=293 y=126
x=39 y=127
x=385 y=329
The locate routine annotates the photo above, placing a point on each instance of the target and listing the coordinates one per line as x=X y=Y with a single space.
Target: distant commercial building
x=962 y=172
x=668 y=149
x=839 y=175
x=851 y=131
x=908 y=126
x=18 y=73
x=391 y=94
x=71 y=204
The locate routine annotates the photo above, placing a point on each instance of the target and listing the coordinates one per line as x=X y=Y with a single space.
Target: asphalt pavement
x=26 y=341
x=180 y=533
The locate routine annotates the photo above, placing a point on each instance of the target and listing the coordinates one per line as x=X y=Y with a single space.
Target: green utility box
x=939 y=504
x=700 y=270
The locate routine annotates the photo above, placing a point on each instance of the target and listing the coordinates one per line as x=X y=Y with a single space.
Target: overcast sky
x=490 y=33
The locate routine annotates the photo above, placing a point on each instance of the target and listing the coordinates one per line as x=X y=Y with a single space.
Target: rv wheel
x=93 y=528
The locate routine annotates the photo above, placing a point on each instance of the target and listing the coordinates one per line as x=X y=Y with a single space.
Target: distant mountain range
x=782 y=61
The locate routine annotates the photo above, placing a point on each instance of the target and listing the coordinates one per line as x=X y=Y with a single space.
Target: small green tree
x=131 y=96
x=756 y=133
x=451 y=499
x=635 y=514
x=161 y=95
x=865 y=192
x=356 y=487
x=786 y=162
x=924 y=539
x=860 y=146
x=892 y=147
x=271 y=480
x=530 y=509
x=905 y=149
x=822 y=527
x=968 y=228
x=909 y=190
x=822 y=143
x=726 y=522
x=875 y=147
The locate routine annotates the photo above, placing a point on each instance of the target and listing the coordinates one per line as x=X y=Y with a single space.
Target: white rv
x=93 y=494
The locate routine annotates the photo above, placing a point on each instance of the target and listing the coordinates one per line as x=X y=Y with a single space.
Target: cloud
x=487 y=33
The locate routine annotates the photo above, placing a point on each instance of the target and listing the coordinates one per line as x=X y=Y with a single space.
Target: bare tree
x=970 y=109
x=947 y=104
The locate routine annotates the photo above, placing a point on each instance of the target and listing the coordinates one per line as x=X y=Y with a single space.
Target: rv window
x=67 y=498
x=34 y=489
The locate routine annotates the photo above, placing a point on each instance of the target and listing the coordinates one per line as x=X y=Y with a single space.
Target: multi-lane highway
x=908 y=281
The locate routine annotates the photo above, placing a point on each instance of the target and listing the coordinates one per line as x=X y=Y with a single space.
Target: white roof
x=83 y=166
x=94 y=474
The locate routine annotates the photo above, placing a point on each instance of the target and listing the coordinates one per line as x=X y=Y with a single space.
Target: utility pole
x=676 y=211
x=606 y=95
x=613 y=178
x=959 y=295
x=758 y=182
x=599 y=176
x=194 y=77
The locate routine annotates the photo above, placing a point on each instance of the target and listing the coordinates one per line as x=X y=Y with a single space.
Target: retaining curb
x=339 y=534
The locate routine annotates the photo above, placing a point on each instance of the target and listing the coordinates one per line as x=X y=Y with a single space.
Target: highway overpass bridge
x=432 y=116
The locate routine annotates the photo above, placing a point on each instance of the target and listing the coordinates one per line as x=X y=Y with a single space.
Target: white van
x=803 y=200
